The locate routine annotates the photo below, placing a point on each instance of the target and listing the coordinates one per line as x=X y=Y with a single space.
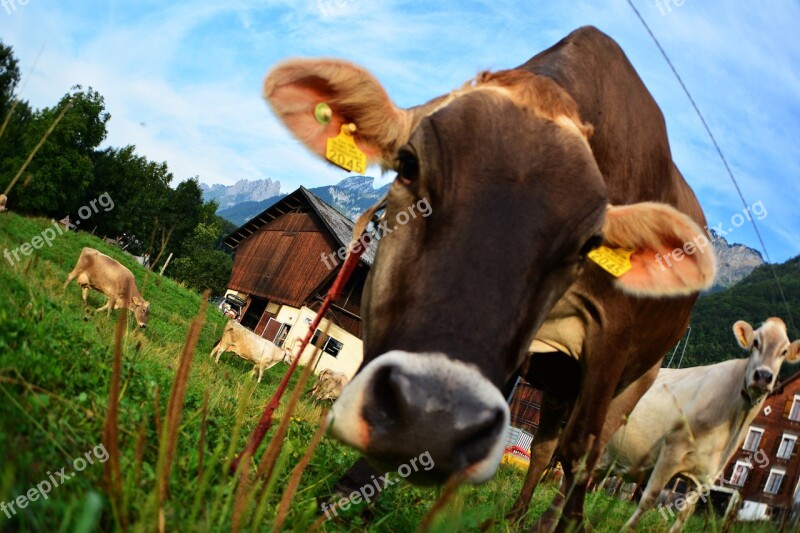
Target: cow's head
x=141 y=310
x=453 y=299
x=769 y=347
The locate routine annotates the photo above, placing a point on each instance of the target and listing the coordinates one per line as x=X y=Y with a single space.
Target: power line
x=722 y=157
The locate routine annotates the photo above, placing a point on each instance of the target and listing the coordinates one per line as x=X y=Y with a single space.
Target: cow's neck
x=742 y=410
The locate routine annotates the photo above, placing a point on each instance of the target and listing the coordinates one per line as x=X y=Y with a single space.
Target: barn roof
x=339 y=226
x=781 y=385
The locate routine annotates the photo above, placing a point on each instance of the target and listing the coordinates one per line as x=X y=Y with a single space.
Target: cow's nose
x=762 y=376
x=403 y=405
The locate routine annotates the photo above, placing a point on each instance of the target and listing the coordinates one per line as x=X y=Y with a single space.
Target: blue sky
x=182 y=80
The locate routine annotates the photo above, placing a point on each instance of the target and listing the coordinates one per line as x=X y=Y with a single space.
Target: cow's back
x=686 y=409
x=632 y=151
x=105 y=273
x=630 y=141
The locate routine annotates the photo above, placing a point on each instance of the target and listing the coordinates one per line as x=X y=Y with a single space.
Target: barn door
x=271 y=331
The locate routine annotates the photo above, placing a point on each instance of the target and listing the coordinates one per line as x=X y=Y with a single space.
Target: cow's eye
x=785 y=352
x=590 y=245
x=407 y=167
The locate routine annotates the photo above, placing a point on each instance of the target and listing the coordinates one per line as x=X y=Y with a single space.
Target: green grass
x=55 y=372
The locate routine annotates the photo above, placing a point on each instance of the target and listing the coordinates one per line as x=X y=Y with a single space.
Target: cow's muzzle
x=403 y=405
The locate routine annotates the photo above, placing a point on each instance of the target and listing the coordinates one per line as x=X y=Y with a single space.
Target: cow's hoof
x=517 y=513
x=545 y=523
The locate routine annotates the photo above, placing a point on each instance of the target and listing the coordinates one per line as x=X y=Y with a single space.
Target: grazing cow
x=238 y=339
x=692 y=420
x=526 y=171
x=329 y=386
x=97 y=271
x=3 y=200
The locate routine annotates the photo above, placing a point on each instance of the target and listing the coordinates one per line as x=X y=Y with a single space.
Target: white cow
x=329 y=386
x=692 y=420
x=247 y=345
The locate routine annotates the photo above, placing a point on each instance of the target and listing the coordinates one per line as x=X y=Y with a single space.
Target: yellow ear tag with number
x=343 y=152
x=615 y=261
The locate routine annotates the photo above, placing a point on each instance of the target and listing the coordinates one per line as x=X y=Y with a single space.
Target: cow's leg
x=260 y=368
x=221 y=350
x=273 y=363
x=683 y=515
x=85 y=296
x=72 y=275
x=580 y=449
x=667 y=465
x=542 y=450
x=594 y=420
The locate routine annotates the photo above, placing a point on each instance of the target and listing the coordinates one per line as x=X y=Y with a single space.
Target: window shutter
x=787 y=408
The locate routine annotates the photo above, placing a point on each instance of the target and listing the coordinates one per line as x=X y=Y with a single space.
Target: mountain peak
x=734 y=261
x=244 y=190
x=357 y=183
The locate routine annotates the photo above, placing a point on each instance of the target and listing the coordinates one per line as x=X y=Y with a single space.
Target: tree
x=62 y=169
x=9 y=78
x=13 y=126
x=140 y=190
x=203 y=267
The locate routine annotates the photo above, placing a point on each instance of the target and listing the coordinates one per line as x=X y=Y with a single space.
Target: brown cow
x=97 y=271
x=3 y=200
x=526 y=171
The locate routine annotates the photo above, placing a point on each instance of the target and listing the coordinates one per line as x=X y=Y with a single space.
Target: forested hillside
x=753 y=299
x=53 y=164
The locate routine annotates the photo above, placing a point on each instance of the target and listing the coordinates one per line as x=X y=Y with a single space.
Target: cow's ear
x=794 y=352
x=671 y=255
x=744 y=334
x=315 y=97
x=136 y=301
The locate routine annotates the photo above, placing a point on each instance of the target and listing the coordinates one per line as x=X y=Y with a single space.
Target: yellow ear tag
x=615 y=261
x=343 y=152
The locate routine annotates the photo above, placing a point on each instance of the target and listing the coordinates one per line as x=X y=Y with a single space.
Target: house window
x=329 y=345
x=739 y=474
x=794 y=413
x=786 y=446
x=774 y=481
x=753 y=439
x=332 y=346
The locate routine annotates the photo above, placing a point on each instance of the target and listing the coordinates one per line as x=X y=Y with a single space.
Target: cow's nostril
x=763 y=375
x=482 y=432
x=388 y=400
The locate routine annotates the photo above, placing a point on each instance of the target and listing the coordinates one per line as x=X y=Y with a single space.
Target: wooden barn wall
x=282 y=260
x=349 y=300
x=526 y=405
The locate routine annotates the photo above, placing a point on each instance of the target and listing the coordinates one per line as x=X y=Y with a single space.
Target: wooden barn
x=766 y=468
x=286 y=260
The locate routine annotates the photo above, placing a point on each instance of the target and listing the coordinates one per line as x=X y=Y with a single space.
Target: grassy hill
x=754 y=299
x=55 y=376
